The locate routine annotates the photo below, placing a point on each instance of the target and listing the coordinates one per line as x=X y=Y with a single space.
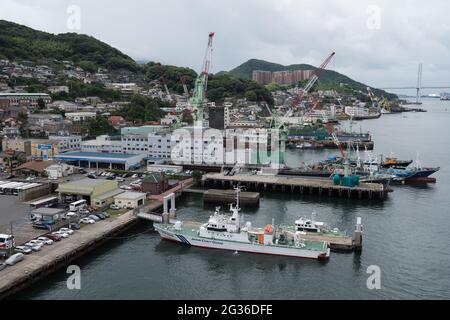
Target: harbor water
x=407 y=237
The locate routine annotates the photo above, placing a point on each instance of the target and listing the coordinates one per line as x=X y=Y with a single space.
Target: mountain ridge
x=246 y=69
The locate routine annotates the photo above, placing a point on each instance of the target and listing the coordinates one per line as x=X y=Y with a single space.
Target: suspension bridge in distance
x=418 y=88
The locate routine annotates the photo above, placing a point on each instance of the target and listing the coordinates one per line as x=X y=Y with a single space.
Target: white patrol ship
x=228 y=233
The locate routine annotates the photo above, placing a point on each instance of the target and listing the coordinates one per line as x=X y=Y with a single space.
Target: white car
x=87 y=221
x=114 y=207
x=120 y=179
x=61 y=234
x=84 y=211
x=71 y=215
x=66 y=230
x=37 y=242
x=33 y=247
x=15 y=258
x=23 y=249
x=45 y=240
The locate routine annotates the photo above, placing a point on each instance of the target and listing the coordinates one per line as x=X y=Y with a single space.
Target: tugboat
x=392 y=161
x=313 y=226
x=228 y=233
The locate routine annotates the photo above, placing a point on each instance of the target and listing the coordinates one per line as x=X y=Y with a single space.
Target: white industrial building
x=67 y=143
x=130 y=200
x=103 y=144
x=57 y=171
x=80 y=116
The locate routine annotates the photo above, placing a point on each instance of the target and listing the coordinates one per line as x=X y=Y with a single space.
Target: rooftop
x=7 y=94
x=131 y=195
x=95 y=155
x=110 y=194
x=48 y=211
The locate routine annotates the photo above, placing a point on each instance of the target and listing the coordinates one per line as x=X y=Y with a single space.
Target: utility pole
x=12 y=236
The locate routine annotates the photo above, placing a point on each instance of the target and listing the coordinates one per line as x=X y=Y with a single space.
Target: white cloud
x=282 y=31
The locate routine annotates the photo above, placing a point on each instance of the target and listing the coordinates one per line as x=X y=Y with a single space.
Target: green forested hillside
x=21 y=42
x=328 y=78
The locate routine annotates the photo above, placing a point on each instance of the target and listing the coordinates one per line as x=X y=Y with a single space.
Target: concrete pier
x=293 y=184
x=229 y=196
x=38 y=265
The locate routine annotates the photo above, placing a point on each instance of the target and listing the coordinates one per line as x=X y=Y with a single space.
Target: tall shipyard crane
x=201 y=84
x=185 y=88
x=373 y=98
x=299 y=99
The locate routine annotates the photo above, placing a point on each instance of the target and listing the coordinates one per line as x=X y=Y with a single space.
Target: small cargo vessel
x=393 y=161
x=227 y=232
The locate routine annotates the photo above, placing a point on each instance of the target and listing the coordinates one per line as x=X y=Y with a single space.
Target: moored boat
x=226 y=232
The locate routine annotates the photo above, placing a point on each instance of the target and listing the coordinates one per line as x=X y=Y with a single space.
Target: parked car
x=87 y=221
x=109 y=178
x=70 y=215
x=106 y=214
x=94 y=217
x=66 y=230
x=37 y=242
x=74 y=226
x=45 y=240
x=15 y=258
x=84 y=211
x=120 y=179
x=61 y=234
x=33 y=247
x=23 y=249
x=100 y=215
x=91 y=176
x=53 y=237
x=114 y=207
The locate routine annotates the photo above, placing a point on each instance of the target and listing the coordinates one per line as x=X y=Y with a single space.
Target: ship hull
x=242 y=247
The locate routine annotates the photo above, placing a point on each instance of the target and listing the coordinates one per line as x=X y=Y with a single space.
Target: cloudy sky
x=379 y=43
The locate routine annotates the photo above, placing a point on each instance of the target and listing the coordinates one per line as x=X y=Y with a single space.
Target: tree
x=21 y=158
x=142 y=109
x=197 y=175
x=251 y=96
x=98 y=126
x=22 y=118
x=41 y=104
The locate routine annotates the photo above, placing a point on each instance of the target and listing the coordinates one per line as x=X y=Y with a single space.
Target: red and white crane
x=312 y=81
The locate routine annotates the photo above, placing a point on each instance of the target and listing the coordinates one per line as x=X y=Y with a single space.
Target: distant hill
x=20 y=42
x=245 y=71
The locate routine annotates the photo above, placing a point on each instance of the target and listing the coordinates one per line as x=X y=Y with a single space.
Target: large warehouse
x=90 y=190
x=93 y=160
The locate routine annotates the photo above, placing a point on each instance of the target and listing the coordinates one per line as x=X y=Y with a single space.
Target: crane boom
x=373 y=98
x=201 y=84
x=312 y=81
x=336 y=141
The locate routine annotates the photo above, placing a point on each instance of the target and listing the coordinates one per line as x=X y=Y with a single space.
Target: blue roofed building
x=96 y=160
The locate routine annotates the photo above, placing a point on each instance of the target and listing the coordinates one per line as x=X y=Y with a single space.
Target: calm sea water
x=407 y=236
